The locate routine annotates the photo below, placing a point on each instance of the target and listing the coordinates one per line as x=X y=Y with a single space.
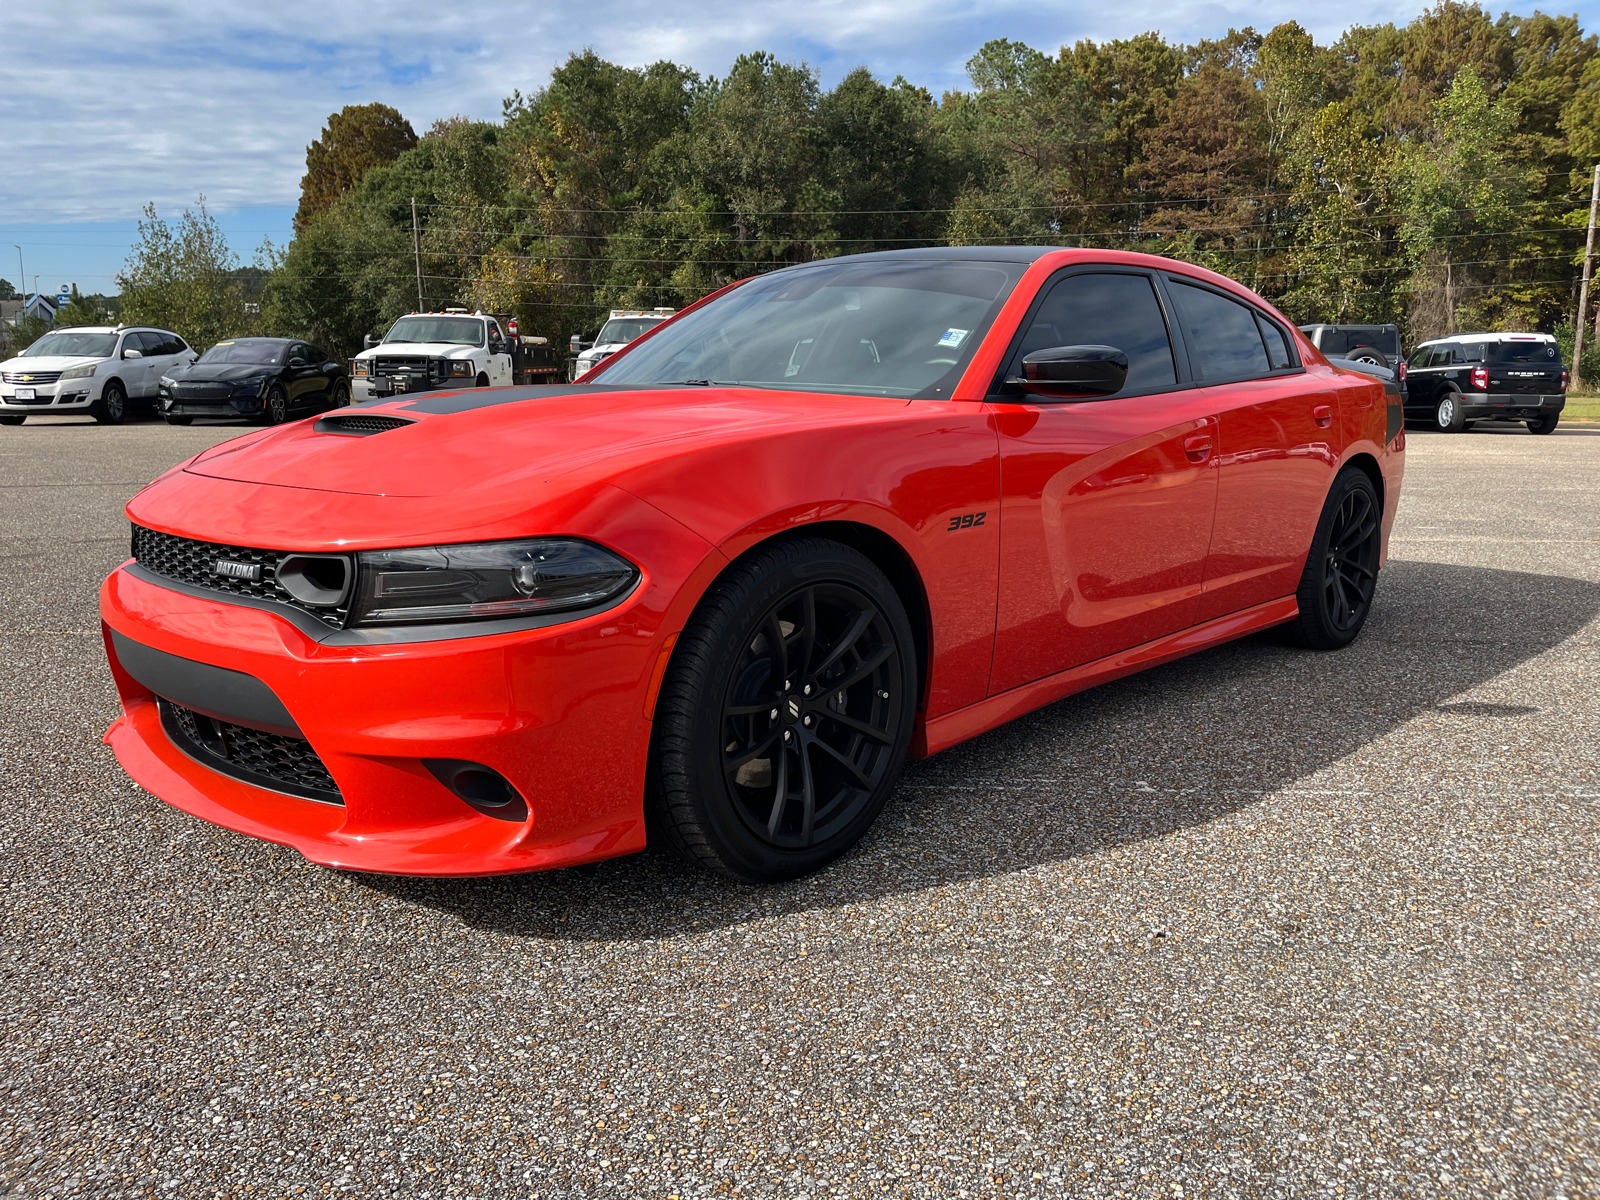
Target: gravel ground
x=1262 y=922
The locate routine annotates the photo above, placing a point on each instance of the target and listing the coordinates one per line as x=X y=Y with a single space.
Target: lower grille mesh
x=285 y=764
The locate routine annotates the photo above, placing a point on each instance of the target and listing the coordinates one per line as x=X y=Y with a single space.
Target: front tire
x=275 y=405
x=483 y=381
x=785 y=714
x=1449 y=416
x=112 y=407
x=1341 y=572
x=341 y=395
x=1545 y=424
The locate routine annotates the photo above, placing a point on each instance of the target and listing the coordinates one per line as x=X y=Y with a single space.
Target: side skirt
x=945 y=731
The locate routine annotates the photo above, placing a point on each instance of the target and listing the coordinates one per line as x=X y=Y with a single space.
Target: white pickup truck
x=427 y=351
x=622 y=327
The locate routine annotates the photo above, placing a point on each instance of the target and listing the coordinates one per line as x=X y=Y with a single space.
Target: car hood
x=420 y=350
x=51 y=362
x=217 y=372
x=521 y=443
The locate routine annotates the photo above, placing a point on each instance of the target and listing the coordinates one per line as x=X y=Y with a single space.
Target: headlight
x=359 y=367
x=461 y=367
x=82 y=372
x=491 y=579
x=165 y=385
x=251 y=387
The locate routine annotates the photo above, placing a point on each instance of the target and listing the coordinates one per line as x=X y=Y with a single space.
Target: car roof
x=1489 y=337
x=1016 y=254
x=235 y=340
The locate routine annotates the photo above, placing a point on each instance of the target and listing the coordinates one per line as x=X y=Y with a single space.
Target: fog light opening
x=484 y=788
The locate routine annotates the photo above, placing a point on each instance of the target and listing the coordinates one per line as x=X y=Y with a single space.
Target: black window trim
x=998 y=393
x=1297 y=366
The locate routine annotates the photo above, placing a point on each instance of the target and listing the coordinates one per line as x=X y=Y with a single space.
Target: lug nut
x=806 y=721
x=788 y=735
x=774 y=714
x=806 y=689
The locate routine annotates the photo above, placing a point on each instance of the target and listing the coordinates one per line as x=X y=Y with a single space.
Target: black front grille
x=195 y=563
x=360 y=425
x=201 y=391
x=269 y=760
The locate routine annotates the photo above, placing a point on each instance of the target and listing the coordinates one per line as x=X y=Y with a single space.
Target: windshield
x=625 y=329
x=464 y=331
x=268 y=354
x=1542 y=353
x=68 y=344
x=871 y=328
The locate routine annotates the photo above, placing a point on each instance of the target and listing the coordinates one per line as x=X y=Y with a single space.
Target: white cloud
x=107 y=106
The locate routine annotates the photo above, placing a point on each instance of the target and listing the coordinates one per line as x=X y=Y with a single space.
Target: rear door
x=1278 y=441
x=1106 y=502
x=302 y=377
x=157 y=361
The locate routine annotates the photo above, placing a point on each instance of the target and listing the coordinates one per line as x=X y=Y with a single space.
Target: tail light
x=1480 y=378
x=1400 y=371
x=1565 y=379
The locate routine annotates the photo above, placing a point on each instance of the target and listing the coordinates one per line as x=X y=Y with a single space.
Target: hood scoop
x=359 y=424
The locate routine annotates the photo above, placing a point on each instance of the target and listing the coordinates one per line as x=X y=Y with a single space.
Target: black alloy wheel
x=341 y=395
x=112 y=406
x=275 y=405
x=1544 y=424
x=1341 y=572
x=13 y=418
x=1449 y=416
x=786 y=712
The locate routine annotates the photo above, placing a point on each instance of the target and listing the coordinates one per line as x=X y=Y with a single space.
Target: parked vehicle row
x=1455 y=381
x=102 y=371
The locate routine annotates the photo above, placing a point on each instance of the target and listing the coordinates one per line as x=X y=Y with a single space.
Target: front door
x=1107 y=503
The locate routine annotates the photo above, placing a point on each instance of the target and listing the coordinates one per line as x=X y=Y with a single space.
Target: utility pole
x=22 y=273
x=416 y=248
x=1583 y=291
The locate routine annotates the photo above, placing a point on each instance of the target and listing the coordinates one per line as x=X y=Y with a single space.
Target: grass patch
x=1585 y=407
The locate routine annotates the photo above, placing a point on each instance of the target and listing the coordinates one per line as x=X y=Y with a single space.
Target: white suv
x=425 y=351
x=98 y=370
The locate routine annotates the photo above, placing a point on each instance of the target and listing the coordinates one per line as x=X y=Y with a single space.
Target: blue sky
x=105 y=107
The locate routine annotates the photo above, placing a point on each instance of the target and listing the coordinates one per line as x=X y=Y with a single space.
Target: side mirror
x=577 y=343
x=1091 y=370
x=130 y=352
x=368 y=342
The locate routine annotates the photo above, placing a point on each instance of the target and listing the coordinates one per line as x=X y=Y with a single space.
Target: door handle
x=1198 y=447
x=1323 y=415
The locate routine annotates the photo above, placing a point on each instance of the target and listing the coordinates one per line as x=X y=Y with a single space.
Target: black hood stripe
x=476 y=398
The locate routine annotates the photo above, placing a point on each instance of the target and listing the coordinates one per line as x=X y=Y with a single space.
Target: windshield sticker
x=953 y=338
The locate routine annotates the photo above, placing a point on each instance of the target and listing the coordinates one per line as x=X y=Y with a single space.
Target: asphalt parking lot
x=1261 y=922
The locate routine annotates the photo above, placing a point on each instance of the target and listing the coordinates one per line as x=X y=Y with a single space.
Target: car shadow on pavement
x=1135 y=759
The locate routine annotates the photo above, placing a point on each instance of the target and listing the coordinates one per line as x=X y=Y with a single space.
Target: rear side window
x=1106 y=310
x=152 y=343
x=1224 y=340
x=1277 y=345
x=1334 y=342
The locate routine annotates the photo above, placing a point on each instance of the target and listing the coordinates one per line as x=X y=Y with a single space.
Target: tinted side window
x=152 y=343
x=1440 y=357
x=297 y=353
x=1334 y=342
x=1277 y=347
x=1224 y=342
x=316 y=354
x=1106 y=310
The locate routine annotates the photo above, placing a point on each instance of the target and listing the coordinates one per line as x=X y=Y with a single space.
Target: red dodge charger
x=822 y=520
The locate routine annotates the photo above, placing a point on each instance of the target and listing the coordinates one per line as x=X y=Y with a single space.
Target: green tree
x=356 y=138
x=179 y=276
x=7 y=292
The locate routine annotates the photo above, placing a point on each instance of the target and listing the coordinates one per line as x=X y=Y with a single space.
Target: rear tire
x=785 y=714
x=1341 y=572
x=13 y=418
x=1545 y=424
x=1449 y=416
x=112 y=407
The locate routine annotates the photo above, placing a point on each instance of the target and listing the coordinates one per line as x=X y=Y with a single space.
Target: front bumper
x=558 y=711
x=68 y=393
x=236 y=406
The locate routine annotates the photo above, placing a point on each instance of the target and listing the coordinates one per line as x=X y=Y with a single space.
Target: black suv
x=1469 y=377
x=1375 y=344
